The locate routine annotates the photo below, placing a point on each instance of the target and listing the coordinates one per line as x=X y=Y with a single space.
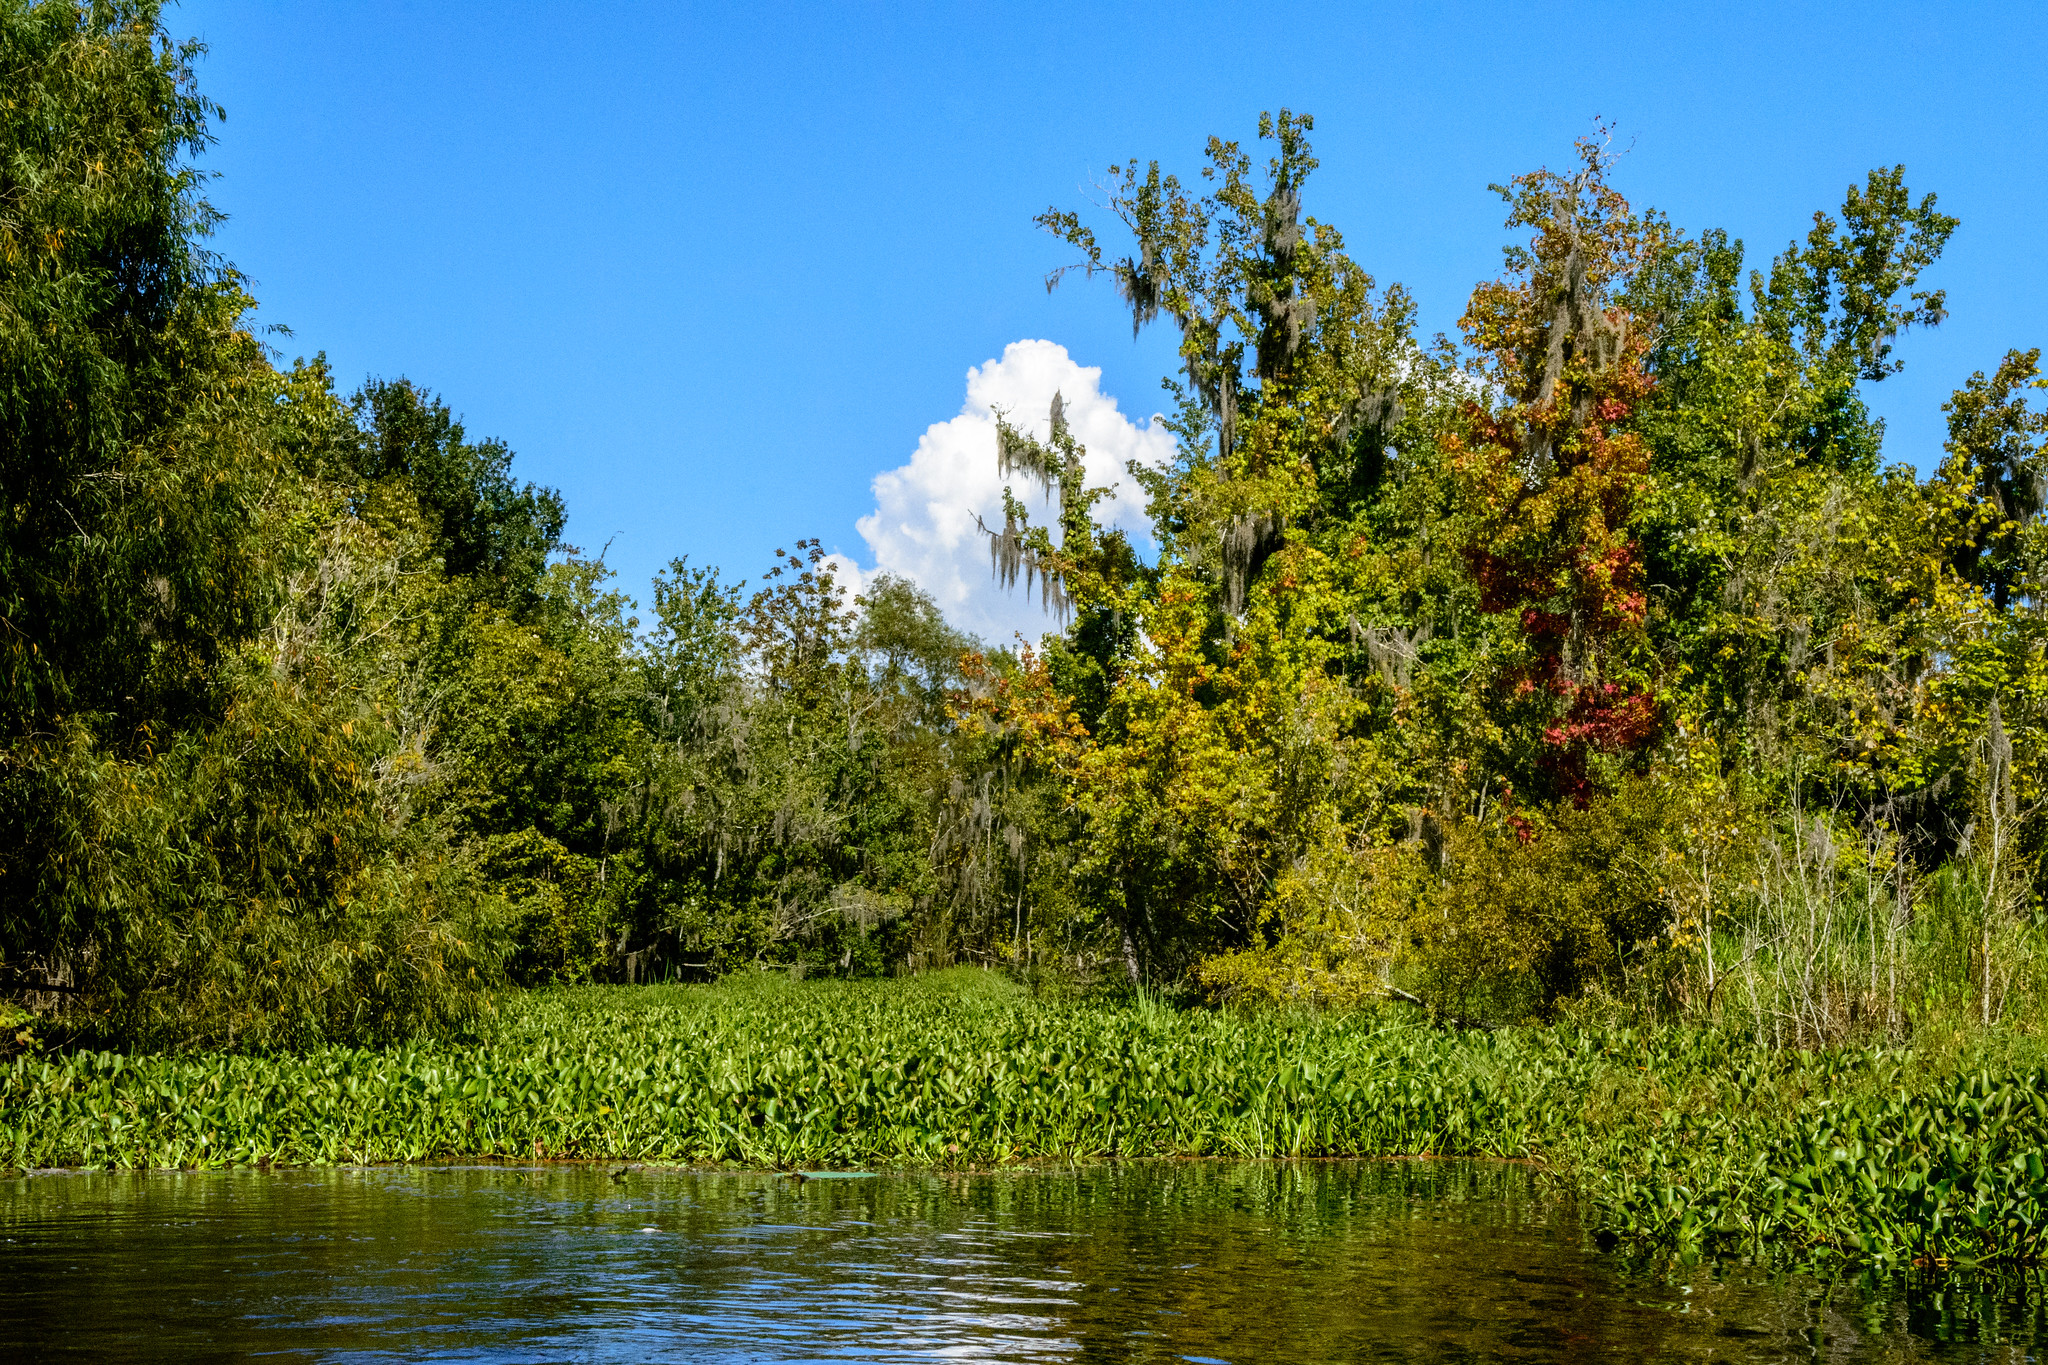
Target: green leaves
x=482 y=524
x=1840 y=290
x=1674 y=1137
x=846 y=1075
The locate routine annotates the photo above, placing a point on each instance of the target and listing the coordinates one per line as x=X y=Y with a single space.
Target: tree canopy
x=1561 y=661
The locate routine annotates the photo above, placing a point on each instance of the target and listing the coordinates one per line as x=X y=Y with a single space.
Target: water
x=1394 y=1261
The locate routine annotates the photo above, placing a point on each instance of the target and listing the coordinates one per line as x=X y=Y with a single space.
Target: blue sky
x=712 y=269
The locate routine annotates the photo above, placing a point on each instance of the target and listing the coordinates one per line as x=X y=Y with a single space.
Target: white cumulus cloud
x=923 y=525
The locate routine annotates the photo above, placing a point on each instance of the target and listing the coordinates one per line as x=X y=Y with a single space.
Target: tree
x=485 y=527
x=125 y=555
x=1554 y=475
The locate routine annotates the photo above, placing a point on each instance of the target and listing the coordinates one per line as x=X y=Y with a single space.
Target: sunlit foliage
x=1593 y=660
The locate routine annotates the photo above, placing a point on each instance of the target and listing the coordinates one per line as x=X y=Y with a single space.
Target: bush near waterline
x=1670 y=1137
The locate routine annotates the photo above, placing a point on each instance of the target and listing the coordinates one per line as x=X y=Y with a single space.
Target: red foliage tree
x=1553 y=471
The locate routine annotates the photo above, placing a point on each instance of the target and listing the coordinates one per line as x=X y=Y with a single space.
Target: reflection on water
x=1181 y=1262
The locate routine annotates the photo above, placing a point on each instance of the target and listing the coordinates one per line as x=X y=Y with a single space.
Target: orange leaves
x=1556 y=476
x=1025 y=704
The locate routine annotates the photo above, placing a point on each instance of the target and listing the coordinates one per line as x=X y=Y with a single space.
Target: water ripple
x=1203 y=1263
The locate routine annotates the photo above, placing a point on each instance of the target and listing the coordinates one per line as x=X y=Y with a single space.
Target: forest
x=1598 y=662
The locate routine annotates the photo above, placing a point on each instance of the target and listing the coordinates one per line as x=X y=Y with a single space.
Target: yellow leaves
x=1337 y=920
x=1026 y=704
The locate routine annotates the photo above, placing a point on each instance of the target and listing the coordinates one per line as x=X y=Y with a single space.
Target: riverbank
x=1669 y=1137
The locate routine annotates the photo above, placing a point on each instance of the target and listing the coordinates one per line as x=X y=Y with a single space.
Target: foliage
x=1675 y=1137
x=1593 y=661
x=1449 y=657
x=193 y=720
x=1554 y=476
x=127 y=565
x=482 y=526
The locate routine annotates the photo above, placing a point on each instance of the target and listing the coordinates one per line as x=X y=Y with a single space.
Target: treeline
x=312 y=726
x=1594 y=660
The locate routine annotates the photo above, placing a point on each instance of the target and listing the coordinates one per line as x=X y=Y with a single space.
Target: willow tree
x=126 y=557
x=124 y=561
x=191 y=846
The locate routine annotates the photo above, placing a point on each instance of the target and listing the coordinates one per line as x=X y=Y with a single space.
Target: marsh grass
x=1829 y=939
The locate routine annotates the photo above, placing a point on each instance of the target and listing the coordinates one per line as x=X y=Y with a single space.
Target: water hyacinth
x=1671 y=1138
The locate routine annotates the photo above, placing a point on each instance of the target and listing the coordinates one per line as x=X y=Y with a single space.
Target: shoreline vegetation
x=1671 y=1139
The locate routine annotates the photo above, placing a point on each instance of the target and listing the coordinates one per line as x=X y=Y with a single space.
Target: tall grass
x=1826 y=938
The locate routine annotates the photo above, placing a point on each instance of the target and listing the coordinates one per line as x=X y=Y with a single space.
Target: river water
x=1240 y=1262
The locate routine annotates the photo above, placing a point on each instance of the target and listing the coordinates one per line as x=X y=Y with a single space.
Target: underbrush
x=1671 y=1137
